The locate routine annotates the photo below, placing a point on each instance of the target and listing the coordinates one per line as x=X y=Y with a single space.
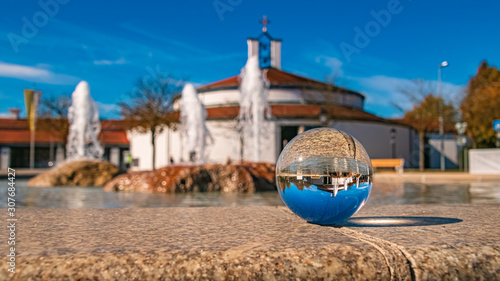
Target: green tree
x=149 y=106
x=424 y=116
x=481 y=105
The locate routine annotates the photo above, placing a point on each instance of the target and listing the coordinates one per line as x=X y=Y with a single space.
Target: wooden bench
x=397 y=163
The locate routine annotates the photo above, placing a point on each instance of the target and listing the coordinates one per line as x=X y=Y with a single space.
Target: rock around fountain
x=83 y=165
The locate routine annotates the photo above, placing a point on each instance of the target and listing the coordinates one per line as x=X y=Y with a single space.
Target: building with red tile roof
x=296 y=103
x=15 y=142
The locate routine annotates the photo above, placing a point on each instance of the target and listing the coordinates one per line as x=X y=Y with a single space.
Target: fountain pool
x=382 y=194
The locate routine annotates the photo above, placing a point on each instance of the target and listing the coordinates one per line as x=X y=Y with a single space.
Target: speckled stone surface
x=407 y=242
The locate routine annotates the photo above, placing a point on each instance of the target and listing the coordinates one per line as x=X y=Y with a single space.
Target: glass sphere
x=324 y=175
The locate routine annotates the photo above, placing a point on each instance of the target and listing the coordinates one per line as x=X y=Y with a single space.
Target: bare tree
x=149 y=107
x=54 y=117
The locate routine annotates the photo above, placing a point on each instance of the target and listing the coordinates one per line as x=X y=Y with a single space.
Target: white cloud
x=387 y=91
x=333 y=63
x=35 y=74
x=110 y=62
x=4 y=115
x=385 y=83
x=106 y=109
x=21 y=71
x=395 y=85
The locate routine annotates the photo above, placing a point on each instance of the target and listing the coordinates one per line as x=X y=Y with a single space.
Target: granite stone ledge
x=404 y=242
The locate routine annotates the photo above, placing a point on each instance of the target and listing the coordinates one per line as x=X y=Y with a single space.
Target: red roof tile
x=113 y=137
x=23 y=136
x=113 y=125
x=278 y=79
x=13 y=124
x=298 y=111
x=113 y=132
x=17 y=132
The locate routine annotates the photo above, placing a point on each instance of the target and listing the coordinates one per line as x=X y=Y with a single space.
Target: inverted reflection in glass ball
x=324 y=175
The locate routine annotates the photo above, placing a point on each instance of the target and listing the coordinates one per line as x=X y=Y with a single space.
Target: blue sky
x=111 y=44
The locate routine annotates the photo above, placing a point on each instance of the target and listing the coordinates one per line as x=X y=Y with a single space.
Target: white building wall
x=450 y=151
x=376 y=138
x=353 y=100
x=4 y=158
x=484 y=161
x=176 y=149
x=225 y=144
x=216 y=98
x=227 y=97
x=114 y=156
x=253 y=47
x=59 y=153
x=276 y=54
x=285 y=96
x=162 y=157
x=267 y=144
x=225 y=141
x=140 y=149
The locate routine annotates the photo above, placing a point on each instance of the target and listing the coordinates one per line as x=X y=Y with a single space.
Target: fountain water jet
x=193 y=117
x=83 y=165
x=84 y=126
x=253 y=102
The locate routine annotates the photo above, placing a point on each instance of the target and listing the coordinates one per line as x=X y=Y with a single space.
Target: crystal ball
x=324 y=175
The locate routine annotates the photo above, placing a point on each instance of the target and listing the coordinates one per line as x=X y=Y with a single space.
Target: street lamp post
x=441 y=113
